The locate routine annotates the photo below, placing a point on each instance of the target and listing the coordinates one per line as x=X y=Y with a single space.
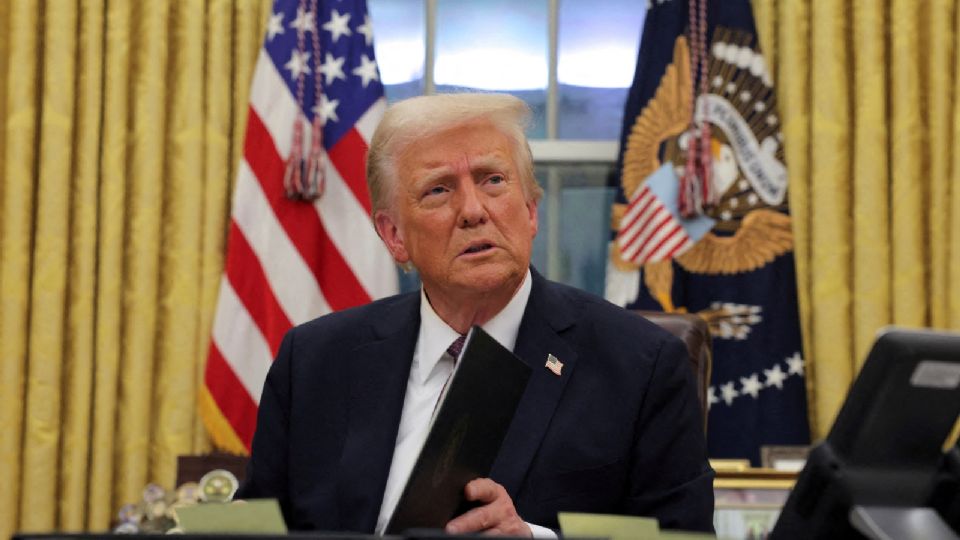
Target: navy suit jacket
x=618 y=432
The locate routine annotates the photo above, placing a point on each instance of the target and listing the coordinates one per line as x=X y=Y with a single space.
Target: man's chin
x=488 y=279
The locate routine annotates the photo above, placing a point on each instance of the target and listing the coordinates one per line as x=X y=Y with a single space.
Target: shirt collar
x=435 y=335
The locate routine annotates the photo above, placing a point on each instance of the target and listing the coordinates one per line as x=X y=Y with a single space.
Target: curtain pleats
x=790 y=58
x=148 y=173
x=179 y=245
x=219 y=115
x=4 y=70
x=938 y=77
x=111 y=214
x=830 y=260
x=48 y=278
x=906 y=149
x=870 y=178
x=869 y=97
x=21 y=125
x=122 y=126
x=952 y=240
x=82 y=281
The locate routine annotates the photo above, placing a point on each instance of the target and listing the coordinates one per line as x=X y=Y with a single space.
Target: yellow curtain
x=122 y=129
x=870 y=99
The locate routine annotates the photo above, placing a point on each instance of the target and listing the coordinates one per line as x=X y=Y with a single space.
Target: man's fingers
x=483 y=517
x=496 y=516
x=482 y=489
x=496 y=531
x=477 y=519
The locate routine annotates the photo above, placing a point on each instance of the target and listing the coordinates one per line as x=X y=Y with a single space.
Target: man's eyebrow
x=490 y=162
x=430 y=173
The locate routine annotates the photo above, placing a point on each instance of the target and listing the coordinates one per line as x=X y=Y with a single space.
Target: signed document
x=471 y=422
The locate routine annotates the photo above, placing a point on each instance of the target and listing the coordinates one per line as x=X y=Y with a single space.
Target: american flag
x=652 y=230
x=289 y=261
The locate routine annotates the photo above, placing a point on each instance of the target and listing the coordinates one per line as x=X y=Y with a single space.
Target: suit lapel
x=545 y=319
x=378 y=379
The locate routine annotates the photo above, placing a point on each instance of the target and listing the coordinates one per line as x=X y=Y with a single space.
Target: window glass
x=597 y=54
x=495 y=45
x=583 y=228
x=398 y=39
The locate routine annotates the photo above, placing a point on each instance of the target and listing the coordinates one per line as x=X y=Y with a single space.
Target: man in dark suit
x=347 y=403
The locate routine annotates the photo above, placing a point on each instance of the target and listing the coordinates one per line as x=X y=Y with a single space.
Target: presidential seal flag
x=301 y=242
x=701 y=223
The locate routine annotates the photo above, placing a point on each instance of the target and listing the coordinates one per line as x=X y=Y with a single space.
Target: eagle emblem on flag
x=749 y=226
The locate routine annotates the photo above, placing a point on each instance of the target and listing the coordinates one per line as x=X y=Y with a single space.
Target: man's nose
x=472 y=210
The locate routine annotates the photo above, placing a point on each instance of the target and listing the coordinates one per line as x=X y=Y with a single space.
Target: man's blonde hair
x=419 y=117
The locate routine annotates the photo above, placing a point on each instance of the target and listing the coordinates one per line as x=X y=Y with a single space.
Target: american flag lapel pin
x=554 y=365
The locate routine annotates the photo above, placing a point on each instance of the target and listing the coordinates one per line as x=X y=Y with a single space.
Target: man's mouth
x=477 y=248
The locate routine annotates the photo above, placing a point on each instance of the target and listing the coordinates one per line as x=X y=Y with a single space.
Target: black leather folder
x=471 y=422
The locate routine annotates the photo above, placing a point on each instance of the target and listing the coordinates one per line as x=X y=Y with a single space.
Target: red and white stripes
x=649 y=232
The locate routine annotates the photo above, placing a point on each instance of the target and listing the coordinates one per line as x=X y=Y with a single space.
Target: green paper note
x=256 y=516
x=609 y=526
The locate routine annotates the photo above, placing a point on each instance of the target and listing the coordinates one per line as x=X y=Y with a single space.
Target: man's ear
x=391 y=235
x=532 y=216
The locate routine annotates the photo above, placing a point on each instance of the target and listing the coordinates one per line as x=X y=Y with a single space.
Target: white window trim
x=548 y=151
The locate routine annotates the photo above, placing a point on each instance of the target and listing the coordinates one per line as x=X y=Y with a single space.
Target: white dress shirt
x=431 y=368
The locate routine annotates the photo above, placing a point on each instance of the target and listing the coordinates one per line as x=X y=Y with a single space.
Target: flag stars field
x=332 y=67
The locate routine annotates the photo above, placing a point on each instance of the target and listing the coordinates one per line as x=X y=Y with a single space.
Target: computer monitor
x=945 y=498
x=886 y=446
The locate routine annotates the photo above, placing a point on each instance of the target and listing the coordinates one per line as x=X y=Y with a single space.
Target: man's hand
x=497 y=516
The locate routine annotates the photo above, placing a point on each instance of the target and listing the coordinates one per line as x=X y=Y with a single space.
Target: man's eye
x=436 y=190
x=496 y=179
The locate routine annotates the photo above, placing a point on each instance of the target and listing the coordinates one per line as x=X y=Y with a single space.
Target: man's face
x=459 y=213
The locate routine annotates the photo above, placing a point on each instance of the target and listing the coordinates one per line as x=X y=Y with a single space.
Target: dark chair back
x=694 y=332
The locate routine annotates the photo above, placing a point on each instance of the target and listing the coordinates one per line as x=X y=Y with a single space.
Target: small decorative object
x=156 y=512
x=126 y=528
x=218 y=486
x=189 y=492
x=130 y=513
x=153 y=493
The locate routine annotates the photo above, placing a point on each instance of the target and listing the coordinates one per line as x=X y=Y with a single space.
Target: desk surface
x=424 y=535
